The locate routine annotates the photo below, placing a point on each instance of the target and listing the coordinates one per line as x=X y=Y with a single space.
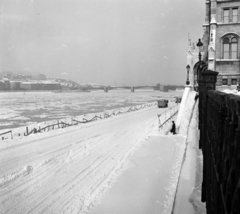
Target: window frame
x=235 y=8
x=234 y=80
x=226 y=52
x=224 y=81
x=228 y=19
x=230 y=44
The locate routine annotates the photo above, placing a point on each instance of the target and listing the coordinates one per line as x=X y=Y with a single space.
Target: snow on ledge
x=228 y=91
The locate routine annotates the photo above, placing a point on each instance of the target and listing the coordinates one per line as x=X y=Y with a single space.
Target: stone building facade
x=221 y=41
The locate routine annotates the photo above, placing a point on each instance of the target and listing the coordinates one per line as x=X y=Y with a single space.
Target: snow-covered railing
x=114 y=113
x=166 y=116
x=63 y=123
x=6 y=133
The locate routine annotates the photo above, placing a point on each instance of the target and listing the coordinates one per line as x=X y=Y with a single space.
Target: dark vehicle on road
x=178 y=99
x=162 y=103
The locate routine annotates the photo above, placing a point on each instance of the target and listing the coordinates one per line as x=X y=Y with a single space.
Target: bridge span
x=107 y=88
x=133 y=88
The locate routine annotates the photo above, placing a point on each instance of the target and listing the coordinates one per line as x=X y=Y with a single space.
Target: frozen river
x=22 y=108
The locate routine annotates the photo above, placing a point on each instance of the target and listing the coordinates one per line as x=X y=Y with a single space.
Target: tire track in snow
x=73 y=171
x=97 y=167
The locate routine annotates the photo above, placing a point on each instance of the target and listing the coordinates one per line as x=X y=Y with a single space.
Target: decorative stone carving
x=211 y=53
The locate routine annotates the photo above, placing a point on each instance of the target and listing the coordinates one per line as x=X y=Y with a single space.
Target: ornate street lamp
x=200 y=47
x=188 y=68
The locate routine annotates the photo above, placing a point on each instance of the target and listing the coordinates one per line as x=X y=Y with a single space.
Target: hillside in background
x=26 y=81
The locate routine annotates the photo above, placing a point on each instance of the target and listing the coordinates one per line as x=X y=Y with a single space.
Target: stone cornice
x=205 y=25
x=222 y=24
x=225 y=1
x=231 y=74
x=228 y=60
x=231 y=23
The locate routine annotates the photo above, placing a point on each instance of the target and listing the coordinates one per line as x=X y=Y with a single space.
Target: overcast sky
x=100 y=41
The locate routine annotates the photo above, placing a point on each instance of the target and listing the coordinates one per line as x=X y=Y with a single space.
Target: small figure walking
x=173 y=129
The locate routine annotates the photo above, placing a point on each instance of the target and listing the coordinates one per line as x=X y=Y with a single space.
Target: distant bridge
x=107 y=88
x=132 y=88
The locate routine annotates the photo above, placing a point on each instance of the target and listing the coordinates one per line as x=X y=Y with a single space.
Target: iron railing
x=221 y=152
x=219 y=124
x=166 y=116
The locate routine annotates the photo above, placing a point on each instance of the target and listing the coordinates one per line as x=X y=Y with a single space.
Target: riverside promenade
x=80 y=169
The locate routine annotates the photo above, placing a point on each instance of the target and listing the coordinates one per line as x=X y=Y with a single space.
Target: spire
x=190 y=45
x=189 y=40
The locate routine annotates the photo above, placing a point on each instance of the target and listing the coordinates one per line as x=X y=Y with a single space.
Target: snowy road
x=66 y=171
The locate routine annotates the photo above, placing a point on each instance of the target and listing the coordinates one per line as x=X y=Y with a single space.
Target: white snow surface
x=69 y=170
x=229 y=91
x=182 y=106
x=149 y=184
x=188 y=197
x=187 y=113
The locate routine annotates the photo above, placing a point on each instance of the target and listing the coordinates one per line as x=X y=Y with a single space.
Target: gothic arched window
x=230 y=47
x=234 y=48
x=226 y=48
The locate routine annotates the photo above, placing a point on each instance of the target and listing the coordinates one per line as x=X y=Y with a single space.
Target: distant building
x=49 y=86
x=160 y=87
x=36 y=86
x=2 y=85
x=17 y=85
x=26 y=86
x=12 y=85
x=41 y=77
x=7 y=85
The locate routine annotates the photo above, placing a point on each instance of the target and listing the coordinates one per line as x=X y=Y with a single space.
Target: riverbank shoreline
x=50 y=91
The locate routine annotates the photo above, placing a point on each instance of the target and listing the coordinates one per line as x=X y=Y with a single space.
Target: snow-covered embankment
x=188 y=197
x=66 y=171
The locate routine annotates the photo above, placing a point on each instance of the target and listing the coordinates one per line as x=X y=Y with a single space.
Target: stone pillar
x=212 y=44
x=207 y=82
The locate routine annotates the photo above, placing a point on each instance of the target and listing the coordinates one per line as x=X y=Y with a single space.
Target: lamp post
x=188 y=68
x=200 y=48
